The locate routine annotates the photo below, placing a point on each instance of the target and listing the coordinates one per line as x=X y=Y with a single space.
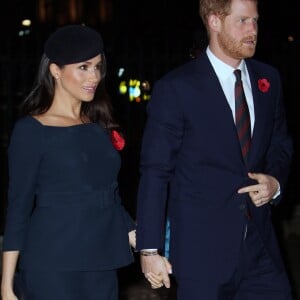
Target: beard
x=234 y=48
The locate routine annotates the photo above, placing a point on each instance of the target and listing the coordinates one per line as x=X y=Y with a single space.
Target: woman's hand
x=9 y=295
x=9 y=262
x=132 y=238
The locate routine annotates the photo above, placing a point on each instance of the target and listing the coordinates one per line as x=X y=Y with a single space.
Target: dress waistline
x=102 y=198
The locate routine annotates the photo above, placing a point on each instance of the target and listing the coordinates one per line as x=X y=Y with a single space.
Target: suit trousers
x=255 y=277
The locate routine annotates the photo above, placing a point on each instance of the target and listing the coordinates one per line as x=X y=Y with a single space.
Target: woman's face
x=79 y=81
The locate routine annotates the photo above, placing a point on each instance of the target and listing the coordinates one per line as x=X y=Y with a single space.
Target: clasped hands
x=156 y=269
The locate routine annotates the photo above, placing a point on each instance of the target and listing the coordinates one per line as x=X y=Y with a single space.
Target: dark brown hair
x=41 y=96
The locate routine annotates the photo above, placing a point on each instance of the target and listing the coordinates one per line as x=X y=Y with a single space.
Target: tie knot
x=237 y=74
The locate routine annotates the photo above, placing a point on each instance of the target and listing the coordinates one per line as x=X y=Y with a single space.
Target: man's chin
x=248 y=53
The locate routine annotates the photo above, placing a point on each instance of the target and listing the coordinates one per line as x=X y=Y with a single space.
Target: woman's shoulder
x=27 y=126
x=27 y=139
x=28 y=121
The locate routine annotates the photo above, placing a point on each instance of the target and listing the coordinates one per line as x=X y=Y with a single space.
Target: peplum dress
x=64 y=213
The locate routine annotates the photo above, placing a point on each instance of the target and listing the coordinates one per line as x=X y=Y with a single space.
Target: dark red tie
x=242 y=116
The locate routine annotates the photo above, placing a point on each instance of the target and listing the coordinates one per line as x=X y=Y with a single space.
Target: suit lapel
x=260 y=106
x=219 y=102
x=211 y=86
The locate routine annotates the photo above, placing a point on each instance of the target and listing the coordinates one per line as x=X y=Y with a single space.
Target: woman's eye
x=83 y=67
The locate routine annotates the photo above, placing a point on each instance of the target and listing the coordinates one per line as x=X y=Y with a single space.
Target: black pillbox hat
x=73 y=44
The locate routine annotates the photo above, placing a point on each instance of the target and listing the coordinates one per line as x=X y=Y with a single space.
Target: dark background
x=147 y=39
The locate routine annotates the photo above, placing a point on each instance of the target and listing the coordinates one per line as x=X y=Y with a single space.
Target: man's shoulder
x=259 y=65
x=184 y=71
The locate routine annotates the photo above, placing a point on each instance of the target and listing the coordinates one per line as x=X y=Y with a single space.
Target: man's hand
x=156 y=269
x=262 y=192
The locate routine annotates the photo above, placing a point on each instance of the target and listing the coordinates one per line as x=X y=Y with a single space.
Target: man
x=220 y=183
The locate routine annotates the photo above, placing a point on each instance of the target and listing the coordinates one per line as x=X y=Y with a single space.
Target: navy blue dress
x=64 y=211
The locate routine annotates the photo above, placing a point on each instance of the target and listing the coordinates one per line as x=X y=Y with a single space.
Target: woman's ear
x=54 y=70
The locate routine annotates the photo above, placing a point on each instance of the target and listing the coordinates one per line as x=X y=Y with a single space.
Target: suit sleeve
x=128 y=220
x=24 y=155
x=161 y=142
x=281 y=148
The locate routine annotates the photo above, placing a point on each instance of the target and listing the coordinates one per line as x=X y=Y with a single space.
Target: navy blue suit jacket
x=192 y=157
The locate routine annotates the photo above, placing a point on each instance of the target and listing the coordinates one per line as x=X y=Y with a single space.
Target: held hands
x=264 y=191
x=156 y=269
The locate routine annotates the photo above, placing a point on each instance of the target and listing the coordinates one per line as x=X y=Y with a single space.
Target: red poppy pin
x=263 y=85
x=117 y=140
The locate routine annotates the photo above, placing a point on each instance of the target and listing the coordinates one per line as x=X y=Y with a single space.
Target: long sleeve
x=24 y=156
x=161 y=142
x=281 y=147
x=129 y=222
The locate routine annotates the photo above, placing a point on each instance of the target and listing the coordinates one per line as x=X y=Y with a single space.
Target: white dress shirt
x=227 y=79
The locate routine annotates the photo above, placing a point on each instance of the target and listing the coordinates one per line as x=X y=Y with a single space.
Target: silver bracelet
x=148 y=252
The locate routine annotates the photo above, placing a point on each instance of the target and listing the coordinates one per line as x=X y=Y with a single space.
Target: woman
x=66 y=229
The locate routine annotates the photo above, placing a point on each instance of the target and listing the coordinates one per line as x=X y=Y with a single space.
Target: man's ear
x=214 y=23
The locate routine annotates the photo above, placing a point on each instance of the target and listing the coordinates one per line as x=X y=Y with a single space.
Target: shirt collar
x=223 y=70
